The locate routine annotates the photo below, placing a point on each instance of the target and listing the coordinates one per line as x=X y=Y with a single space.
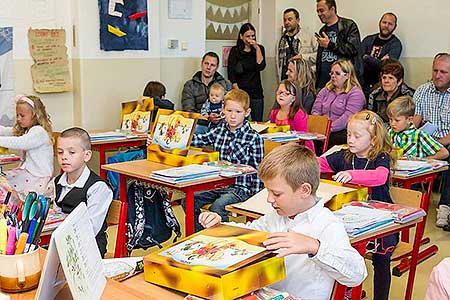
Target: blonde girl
x=288 y=109
x=367 y=162
x=32 y=134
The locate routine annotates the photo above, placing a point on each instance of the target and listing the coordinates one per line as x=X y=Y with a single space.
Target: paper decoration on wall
x=7 y=107
x=224 y=18
x=123 y=25
x=50 y=71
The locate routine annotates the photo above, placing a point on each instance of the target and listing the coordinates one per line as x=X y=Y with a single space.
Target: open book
x=258 y=202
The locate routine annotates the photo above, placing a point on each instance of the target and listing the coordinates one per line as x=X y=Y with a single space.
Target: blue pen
x=30 y=235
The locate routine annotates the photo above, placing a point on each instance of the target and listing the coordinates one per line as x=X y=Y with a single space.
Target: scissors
x=25 y=216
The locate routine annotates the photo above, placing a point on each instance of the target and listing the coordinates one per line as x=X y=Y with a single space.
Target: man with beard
x=378 y=47
x=338 y=39
x=294 y=43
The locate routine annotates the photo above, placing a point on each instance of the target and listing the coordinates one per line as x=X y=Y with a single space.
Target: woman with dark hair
x=245 y=63
x=391 y=86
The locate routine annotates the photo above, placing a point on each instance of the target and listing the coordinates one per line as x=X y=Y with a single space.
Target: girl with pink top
x=288 y=109
x=339 y=99
x=367 y=162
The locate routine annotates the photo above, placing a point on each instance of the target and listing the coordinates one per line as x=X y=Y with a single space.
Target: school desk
x=103 y=146
x=359 y=243
x=141 y=170
x=134 y=288
x=407 y=182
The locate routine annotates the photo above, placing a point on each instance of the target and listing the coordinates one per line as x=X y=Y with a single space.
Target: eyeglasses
x=337 y=73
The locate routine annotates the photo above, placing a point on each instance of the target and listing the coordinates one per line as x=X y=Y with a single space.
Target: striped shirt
x=414 y=142
x=242 y=146
x=434 y=107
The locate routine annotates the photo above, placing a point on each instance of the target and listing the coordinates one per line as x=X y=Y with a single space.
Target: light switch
x=184 y=45
x=172 y=44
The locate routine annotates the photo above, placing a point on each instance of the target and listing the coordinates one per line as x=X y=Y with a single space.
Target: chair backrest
x=405 y=196
x=112 y=218
x=322 y=125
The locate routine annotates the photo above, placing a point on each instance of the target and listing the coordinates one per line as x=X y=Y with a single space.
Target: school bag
x=131 y=154
x=151 y=220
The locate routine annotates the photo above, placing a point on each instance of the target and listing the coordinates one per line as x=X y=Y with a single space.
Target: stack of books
x=8 y=158
x=292 y=136
x=108 y=136
x=406 y=167
x=186 y=173
x=228 y=169
x=401 y=214
x=359 y=220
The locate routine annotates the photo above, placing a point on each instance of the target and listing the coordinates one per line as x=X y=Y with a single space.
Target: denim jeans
x=219 y=199
x=445 y=190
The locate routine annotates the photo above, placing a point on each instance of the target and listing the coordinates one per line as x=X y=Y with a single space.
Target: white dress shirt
x=37 y=146
x=99 y=197
x=312 y=278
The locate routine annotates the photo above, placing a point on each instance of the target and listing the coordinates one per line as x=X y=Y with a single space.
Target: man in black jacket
x=195 y=90
x=379 y=47
x=338 y=39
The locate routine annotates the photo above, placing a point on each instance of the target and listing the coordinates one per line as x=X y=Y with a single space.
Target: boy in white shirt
x=79 y=184
x=314 y=241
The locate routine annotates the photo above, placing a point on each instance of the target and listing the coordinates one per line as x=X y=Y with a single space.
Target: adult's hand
x=215 y=118
x=323 y=40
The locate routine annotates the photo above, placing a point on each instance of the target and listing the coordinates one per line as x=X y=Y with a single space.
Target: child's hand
x=215 y=118
x=342 y=177
x=291 y=242
x=209 y=219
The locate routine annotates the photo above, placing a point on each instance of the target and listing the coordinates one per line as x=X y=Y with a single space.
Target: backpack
x=113 y=177
x=150 y=219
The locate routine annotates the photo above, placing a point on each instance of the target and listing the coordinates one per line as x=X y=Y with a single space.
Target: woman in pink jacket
x=339 y=99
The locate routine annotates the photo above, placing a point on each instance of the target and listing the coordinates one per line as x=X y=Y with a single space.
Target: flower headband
x=25 y=99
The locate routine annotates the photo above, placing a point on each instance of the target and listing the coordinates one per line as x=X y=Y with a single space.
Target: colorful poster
x=7 y=107
x=123 y=25
x=173 y=131
x=50 y=71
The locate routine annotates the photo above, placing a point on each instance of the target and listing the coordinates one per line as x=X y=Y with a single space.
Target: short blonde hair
x=294 y=163
x=402 y=106
x=81 y=134
x=239 y=96
x=217 y=87
x=347 y=67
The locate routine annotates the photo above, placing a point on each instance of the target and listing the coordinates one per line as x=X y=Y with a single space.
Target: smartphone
x=317 y=35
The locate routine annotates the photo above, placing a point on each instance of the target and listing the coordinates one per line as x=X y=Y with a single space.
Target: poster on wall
x=123 y=25
x=7 y=107
x=224 y=18
x=50 y=71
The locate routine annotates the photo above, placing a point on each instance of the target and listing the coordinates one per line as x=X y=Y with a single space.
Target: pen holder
x=20 y=272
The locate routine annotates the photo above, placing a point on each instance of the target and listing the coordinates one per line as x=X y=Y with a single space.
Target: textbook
x=407 y=167
x=6 y=158
x=228 y=169
x=186 y=173
x=123 y=268
x=359 y=220
x=402 y=214
x=292 y=136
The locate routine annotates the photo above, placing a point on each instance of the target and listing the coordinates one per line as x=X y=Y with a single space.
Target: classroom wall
x=101 y=80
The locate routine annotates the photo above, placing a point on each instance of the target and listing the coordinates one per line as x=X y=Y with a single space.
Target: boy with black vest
x=79 y=184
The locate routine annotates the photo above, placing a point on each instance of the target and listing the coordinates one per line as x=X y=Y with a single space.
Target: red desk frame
x=103 y=146
x=407 y=182
x=140 y=170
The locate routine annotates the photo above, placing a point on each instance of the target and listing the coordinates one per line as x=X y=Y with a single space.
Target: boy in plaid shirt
x=237 y=143
x=404 y=135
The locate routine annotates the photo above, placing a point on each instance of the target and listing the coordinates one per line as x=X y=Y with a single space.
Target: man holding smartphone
x=295 y=42
x=339 y=38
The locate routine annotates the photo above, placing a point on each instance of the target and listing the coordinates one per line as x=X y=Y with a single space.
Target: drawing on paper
x=215 y=252
x=173 y=131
